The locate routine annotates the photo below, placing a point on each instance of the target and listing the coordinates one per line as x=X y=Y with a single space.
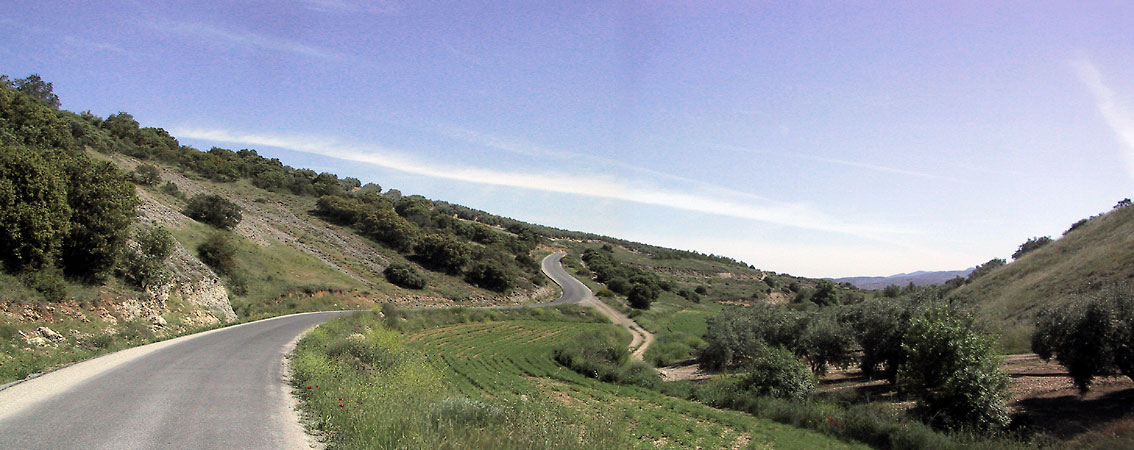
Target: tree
x=1122 y=203
x=826 y=342
x=892 y=291
x=214 y=210
x=776 y=372
x=34 y=213
x=34 y=87
x=1091 y=335
x=103 y=205
x=641 y=296
x=954 y=373
x=1031 y=245
x=122 y=126
x=825 y=294
x=880 y=327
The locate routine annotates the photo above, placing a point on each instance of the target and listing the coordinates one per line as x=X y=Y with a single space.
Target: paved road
x=219 y=389
x=574 y=291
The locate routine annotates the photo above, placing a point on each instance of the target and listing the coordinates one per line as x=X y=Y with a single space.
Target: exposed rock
x=158 y=321
x=35 y=341
x=51 y=334
x=195 y=284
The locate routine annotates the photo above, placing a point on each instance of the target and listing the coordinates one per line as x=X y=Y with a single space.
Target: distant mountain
x=919 y=278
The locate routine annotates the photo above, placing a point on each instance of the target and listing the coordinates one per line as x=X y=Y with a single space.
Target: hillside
x=303 y=241
x=1092 y=255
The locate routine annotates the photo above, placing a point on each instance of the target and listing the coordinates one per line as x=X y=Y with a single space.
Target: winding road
x=223 y=388
x=574 y=291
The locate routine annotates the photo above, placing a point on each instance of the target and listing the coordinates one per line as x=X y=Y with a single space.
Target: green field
x=506 y=366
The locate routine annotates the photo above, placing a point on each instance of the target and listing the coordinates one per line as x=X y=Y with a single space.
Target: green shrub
x=218 y=251
x=825 y=293
x=103 y=205
x=442 y=253
x=145 y=264
x=172 y=189
x=490 y=276
x=602 y=354
x=954 y=373
x=48 y=281
x=214 y=210
x=777 y=373
x=387 y=227
x=1091 y=335
x=404 y=275
x=1032 y=244
x=147 y=174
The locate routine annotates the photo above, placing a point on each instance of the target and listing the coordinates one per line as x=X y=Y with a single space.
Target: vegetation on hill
x=1093 y=254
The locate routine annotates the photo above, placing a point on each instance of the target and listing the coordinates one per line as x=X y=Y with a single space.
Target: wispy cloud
x=246 y=39
x=797 y=216
x=855 y=164
x=1119 y=119
x=356 y=6
x=527 y=148
x=878 y=168
x=88 y=44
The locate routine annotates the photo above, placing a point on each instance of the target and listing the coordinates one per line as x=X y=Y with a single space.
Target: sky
x=821 y=139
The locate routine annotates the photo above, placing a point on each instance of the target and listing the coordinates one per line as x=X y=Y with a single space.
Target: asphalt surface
x=574 y=291
x=219 y=389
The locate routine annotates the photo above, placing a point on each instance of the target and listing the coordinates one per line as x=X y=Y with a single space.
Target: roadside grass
x=494 y=384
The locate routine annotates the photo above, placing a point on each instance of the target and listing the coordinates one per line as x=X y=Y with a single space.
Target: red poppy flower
x=308 y=387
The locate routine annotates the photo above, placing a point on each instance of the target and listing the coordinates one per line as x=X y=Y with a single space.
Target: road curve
x=574 y=291
x=218 y=389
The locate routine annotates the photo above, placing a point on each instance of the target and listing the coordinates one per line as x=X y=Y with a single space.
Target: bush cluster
x=58 y=207
x=602 y=354
x=935 y=355
x=640 y=287
x=404 y=275
x=214 y=210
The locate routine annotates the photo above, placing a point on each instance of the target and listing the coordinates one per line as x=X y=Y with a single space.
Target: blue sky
x=802 y=137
